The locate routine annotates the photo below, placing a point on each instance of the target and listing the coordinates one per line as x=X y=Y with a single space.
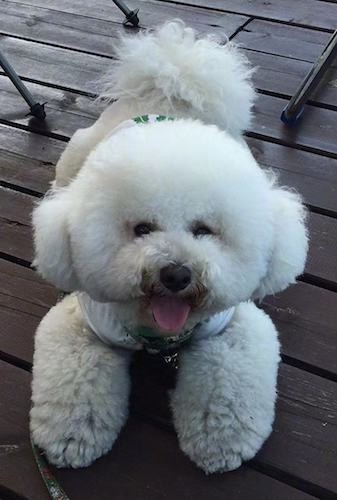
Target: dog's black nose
x=175 y=277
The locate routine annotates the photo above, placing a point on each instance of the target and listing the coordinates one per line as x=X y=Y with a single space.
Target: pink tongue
x=170 y=313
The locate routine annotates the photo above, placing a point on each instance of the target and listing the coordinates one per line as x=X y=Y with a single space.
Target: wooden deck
x=59 y=47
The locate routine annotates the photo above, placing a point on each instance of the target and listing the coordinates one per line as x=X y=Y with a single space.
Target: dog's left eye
x=143 y=228
x=201 y=230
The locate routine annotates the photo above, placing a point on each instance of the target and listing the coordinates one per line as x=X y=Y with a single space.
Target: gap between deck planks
x=50 y=66
x=303 y=44
x=314 y=176
x=37 y=61
x=15 y=216
x=306 y=431
x=318 y=15
x=257 y=36
x=299 y=424
x=69 y=29
x=305 y=316
x=313 y=13
x=67 y=112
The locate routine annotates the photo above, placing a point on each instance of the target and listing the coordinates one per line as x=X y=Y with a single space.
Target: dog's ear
x=53 y=257
x=288 y=255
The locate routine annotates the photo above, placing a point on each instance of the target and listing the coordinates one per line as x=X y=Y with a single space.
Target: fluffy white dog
x=165 y=228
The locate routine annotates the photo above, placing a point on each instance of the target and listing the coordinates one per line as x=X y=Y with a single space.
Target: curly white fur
x=173 y=174
x=219 y=412
x=172 y=66
x=80 y=389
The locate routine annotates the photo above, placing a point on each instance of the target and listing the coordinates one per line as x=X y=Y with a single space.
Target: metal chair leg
x=131 y=16
x=36 y=109
x=293 y=111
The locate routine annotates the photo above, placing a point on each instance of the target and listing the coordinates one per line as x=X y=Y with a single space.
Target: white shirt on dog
x=102 y=320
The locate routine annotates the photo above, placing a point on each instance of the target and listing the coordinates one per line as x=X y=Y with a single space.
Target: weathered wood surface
x=145 y=463
x=280 y=39
x=314 y=13
x=313 y=175
x=280 y=75
x=28 y=145
x=63 y=47
x=305 y=427
x=24 y=300
x=316 y=133
x=306 y=318
x=304 y=314
x=317 y=129
x=67 y=28
x=66 y=110
x=51 y=65
x=15 y=216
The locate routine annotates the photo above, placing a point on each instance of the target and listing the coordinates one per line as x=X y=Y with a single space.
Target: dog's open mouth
x=169 y=312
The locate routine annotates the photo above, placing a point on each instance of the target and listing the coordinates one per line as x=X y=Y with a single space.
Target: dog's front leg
x=80 y=389
x=223 y=404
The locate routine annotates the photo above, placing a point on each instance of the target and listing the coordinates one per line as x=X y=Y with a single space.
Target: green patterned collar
x=154 y=343
x=144 y=119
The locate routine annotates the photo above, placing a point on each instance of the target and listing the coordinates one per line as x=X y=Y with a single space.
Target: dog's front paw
x=74 y=440
x=217 y=442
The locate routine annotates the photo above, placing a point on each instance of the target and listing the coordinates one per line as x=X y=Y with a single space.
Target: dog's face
x=175 y=221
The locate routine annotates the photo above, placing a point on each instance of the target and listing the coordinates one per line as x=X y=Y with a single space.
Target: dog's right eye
x=143 y=228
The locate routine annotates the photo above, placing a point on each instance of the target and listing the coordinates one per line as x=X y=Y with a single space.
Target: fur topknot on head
x=171 y=65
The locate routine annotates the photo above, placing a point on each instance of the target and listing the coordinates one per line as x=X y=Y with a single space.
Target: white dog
x=164 y=227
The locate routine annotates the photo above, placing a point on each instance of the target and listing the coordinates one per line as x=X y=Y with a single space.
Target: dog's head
x=174 y=220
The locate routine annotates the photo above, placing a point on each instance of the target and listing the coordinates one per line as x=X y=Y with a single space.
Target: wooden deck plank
x=126 y=473
x=312 y=175
x=158 y=451
x=323 y=244
x=303 y=447
x=23 y=144
x=24 y=287
x=306 y=319
x=69 y=29
x=317 y=130
x=307 y=13
x=17 y=468
x=51 y=65
x=34 y=175
x=27 y=160
x=303 y=443
x=283 y=40
x=15 y=216
x=305 y=315
x=282 y=76
x=24 y=300
x=66 y=111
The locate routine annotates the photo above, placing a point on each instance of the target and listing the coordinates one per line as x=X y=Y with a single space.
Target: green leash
x=53 y=487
